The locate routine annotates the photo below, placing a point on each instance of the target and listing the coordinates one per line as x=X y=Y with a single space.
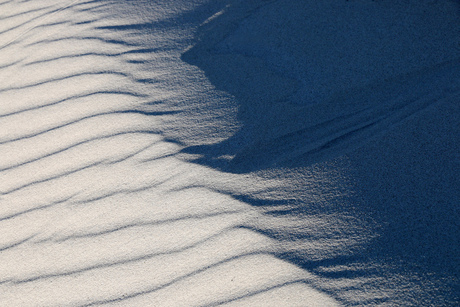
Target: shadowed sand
x=235 y=153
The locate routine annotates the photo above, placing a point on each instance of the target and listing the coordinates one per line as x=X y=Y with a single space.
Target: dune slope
x=248 y=153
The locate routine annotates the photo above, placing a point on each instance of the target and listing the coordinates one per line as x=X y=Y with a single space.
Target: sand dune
x=249 y=153
x=95 y=208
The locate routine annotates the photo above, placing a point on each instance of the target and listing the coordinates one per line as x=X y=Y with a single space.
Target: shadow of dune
x=276 y=127
x=374 y=129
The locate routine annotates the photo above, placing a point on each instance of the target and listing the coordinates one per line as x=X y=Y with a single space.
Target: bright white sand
x=240 y=153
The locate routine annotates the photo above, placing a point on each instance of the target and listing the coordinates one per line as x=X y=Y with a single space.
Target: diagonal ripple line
x=64 y=7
